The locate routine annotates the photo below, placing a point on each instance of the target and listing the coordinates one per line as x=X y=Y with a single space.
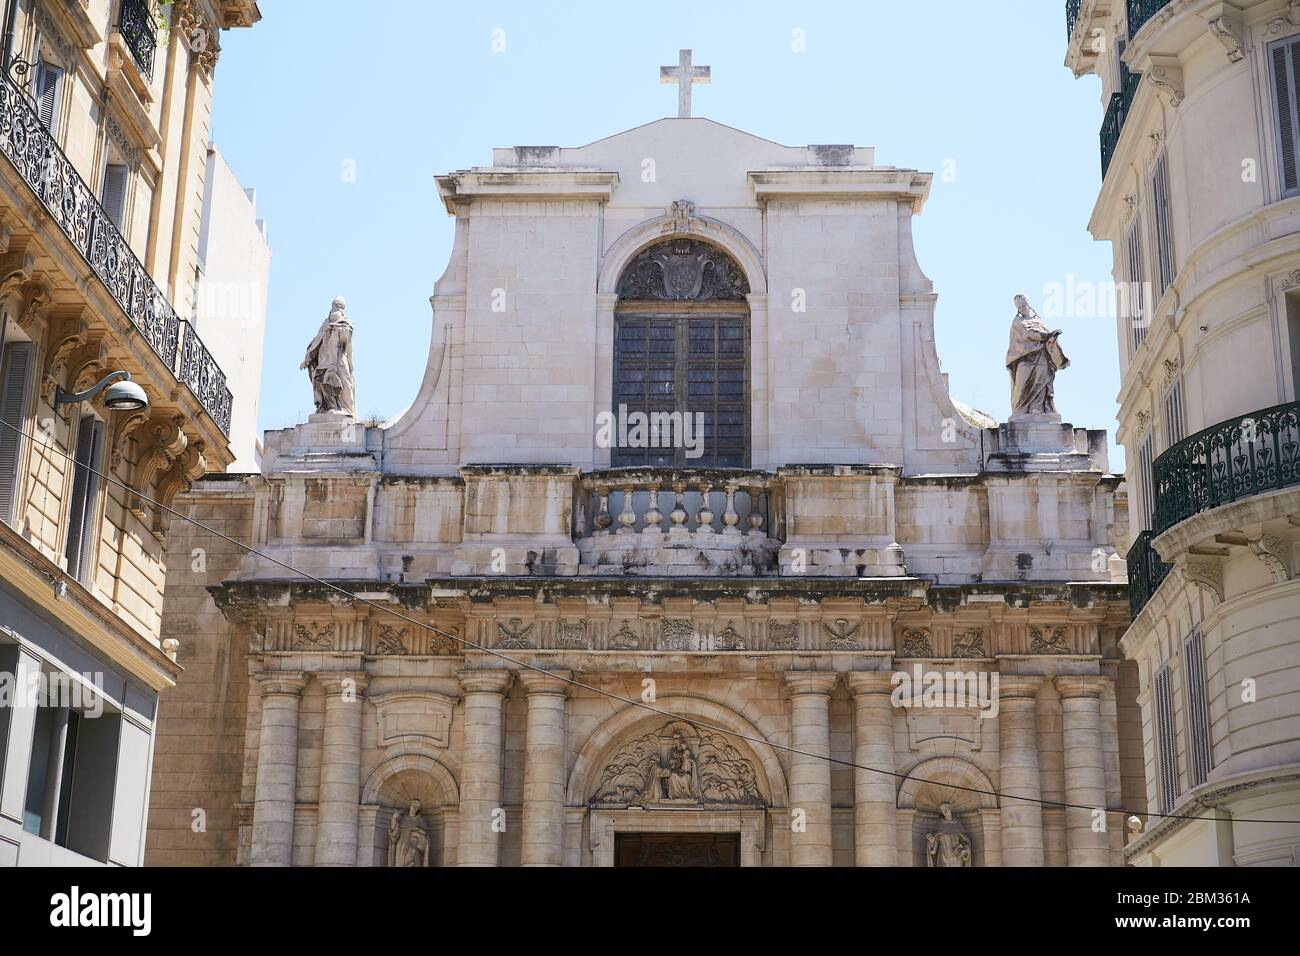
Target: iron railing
x=71 y=203
x=1072 y=8
x=1145 y=572
x=1116 y=113
x=1140 y=11
x=139 y=29
x=1232 y=460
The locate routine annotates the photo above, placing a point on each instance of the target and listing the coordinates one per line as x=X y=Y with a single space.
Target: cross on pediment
x=685 y=76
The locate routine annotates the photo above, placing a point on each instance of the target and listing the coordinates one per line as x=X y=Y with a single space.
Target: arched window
x=681 y=347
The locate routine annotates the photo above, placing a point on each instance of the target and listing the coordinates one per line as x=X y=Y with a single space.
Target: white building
x=1200 y=151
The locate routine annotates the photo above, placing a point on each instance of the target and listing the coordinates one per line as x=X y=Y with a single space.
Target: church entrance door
x=677 y=849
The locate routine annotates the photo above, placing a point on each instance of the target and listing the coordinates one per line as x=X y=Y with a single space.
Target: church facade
x=683 y=554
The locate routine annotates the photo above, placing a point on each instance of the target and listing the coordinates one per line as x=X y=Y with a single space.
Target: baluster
x=602 y=521
x=653 y=516
x=704 y=518
x=627 y=517
x=730 y=517
x=679 y=517
x=755 y=515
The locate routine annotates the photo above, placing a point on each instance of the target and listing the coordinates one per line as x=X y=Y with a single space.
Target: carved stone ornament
x=683 y=269
x=572 y=636
x=843 y=635
x=1142 y=420
x=1272 y=551
x=625 y=639
x=969 y=644
x=514 y=636
x=1205 y=573
x=783 y=635
x=307 y=640
x=678 y=635
x=729 y=639
x=1228 y=31
x=199 y=34
x=1289 y=19
x=916 y=643
x=678 y=766
x=1166 y=75
x=680 y=214
x=408 y=838
x=1171 y=369
x=1053 y=643
x=947 y=845
x=390 y=641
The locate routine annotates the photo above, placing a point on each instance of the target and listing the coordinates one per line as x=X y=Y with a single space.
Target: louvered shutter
x=1198 y=714
x=1160 y=224
x=1283 y=57
x=1136 y=290
x=1146 y=480
x=1166 y=741
x=114 y=195
x=1174 y=428
x=14 y=390
x=47 y=94
x=81 y=510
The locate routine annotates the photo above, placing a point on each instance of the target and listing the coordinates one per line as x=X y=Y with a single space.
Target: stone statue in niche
x=948 y=845
x=1033 y=359
x=408 y=841
x=677 y=766
x=329 y=364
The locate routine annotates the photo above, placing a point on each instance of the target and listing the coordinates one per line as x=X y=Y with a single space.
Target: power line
x=635 y=702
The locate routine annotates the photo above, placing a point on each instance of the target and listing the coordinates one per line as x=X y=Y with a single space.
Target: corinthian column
x=1085 y=774
x=340 y=772
x=543 y=843
x=810 y=776
x=1022 y=819
x=480 y=786
x=875 y=838
x=277 y=769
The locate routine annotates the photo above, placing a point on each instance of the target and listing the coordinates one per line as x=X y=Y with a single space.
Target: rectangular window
x=1286 y=123
x=49 y=87
x=1198 y=712
x=1174 y=428
x=1160 y=224
x=81 y=510
x=15 y=389
x=1135 y=288
x=113 y=195
x=1166 y=741
x=1146 y=481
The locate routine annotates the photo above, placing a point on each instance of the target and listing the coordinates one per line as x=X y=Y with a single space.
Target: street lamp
x=122 y=396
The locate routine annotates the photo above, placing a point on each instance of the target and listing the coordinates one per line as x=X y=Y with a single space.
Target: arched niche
x=408 y=792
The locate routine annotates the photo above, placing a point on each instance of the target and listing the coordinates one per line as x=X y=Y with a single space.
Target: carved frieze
x=683 y=269
x=572 y=635
x=916 y=643
x=678 y=766
x=969 y=643
x=729 y=639
x=313 y=638
x=678 y=635
x=514 y=635
x=1048 y=641
x=391 y=641
x=783 y=635
x=625 y=639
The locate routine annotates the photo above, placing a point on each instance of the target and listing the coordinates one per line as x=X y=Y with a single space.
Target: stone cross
x=685 y=76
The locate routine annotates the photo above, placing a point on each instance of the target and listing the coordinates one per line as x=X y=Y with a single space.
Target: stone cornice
x=842 y=183
x=522 y=185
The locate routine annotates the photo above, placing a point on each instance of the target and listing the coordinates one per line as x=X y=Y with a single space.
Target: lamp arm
x=64 y=398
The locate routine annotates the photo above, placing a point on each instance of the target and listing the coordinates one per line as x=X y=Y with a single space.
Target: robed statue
x=1033 y=359
x=948 y=845
x=329 y=363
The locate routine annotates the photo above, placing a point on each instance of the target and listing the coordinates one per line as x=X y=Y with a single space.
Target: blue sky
x=407 y=89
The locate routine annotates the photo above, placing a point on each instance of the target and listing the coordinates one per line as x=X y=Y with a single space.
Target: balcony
x=72 y=205
x=1116 y=113
x=139 y=29
x=1232 y=460
x=1140 y=11
x=1145 y=572
x=1072 y=8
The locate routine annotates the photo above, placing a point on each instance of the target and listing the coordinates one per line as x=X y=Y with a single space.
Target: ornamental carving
x=1053 y=642
x=783 y=635
x=1272 y=551
x=307 y=640
x=678 y=635
x=625 y=639
x=677 y=766
x=1205 y=573
x=572 y=636
x=390 y=641
x=514 y=636
x=686 y=270
x=1228 y=31
x=843 y=635
x=969 y=644
x=916 y=643
x=729 y=639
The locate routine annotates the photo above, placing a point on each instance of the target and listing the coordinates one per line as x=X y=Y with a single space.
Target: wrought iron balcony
x=1072 y=8
x=71 y=203
x=1140 y=11
x=1116 y=113
x=1145 y=572
x=1235 y=459
x=139 y=29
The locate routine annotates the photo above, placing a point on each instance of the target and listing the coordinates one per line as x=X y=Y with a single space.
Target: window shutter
x=1146 y=480
x=1174 y=427
x=1136 y=290
x=81 y=511
x=114 y=197
x=47 y=94
x=14 y=391
x=1283 y=56
x=1160 y=223
x=1198 y=717
x=1166 y=742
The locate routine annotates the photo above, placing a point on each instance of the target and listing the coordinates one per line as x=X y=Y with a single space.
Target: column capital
x=552 y=682
x=333 y=681
x=485 y=681
x=810 y=682
x=863 y=683
x=282 y=682
x=1080 y=685
x=1019 y=685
